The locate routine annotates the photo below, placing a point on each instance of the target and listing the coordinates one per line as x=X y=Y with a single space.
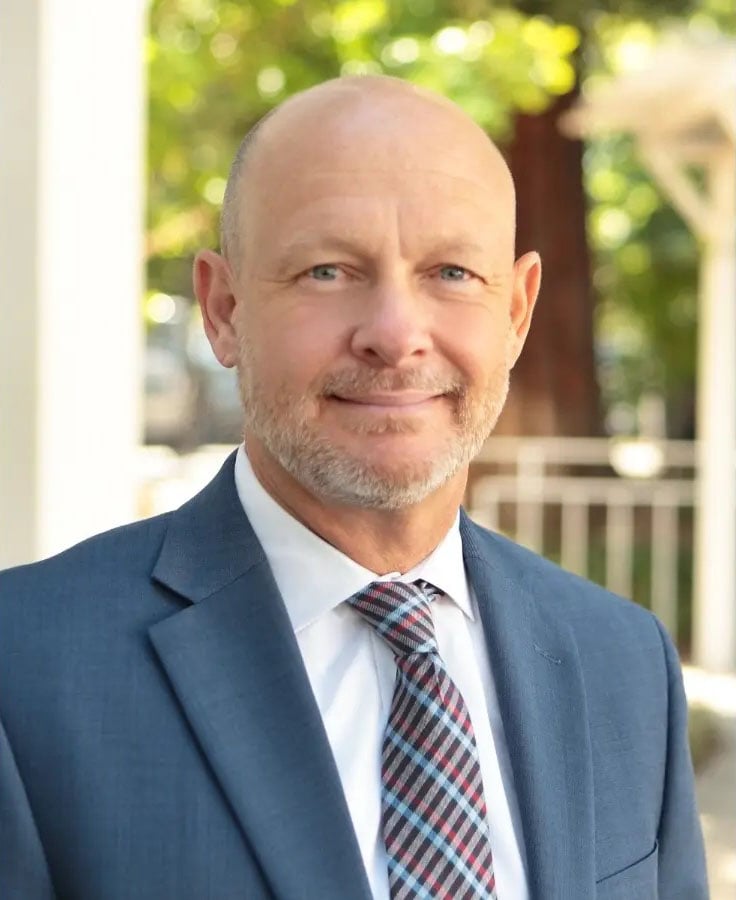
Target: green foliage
x=645 y=276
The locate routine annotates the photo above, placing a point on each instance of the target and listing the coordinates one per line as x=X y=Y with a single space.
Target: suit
x=160 y=740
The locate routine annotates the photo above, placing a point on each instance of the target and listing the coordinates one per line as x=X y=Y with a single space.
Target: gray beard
x=329 y=472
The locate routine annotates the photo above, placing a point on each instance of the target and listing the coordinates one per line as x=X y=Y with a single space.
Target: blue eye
x=324 y=272
x=454 y=273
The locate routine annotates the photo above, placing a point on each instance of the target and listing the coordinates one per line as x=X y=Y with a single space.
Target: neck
x=379 y=540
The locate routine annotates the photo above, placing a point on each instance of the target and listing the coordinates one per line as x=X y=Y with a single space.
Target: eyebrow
x=323 y=242
x=460 y=245
x=338 y=243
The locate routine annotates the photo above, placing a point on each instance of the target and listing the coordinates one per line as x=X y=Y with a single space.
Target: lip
x=397 y=400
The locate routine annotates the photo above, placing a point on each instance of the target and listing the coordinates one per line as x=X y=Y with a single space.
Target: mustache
x=366 y=381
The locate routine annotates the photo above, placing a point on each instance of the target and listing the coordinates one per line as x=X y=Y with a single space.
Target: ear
x=527 y=277
x=213 y=286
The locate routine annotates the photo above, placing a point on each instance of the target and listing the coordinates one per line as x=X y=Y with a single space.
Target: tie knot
x=400 y=613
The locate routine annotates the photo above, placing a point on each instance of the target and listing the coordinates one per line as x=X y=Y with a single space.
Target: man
x=318 y=679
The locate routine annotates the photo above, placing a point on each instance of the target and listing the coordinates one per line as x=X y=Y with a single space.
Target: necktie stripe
x=462 y=837
x=453 y=705
x=396 y=743
x=410 y=629
x=444 y=748
x=440 y=881
x=434 y=708
x=418 y=890
x=442 y=848
x=456 y=772
x=425 y=766
x=407 y=632
x=433 y=809
x=403 y=627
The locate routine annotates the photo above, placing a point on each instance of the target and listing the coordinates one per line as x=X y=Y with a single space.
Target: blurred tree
x=555 y=380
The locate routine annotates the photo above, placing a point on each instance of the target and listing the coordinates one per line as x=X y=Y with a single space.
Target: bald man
x=318 y=679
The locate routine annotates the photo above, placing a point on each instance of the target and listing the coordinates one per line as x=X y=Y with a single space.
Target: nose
x=395 y=326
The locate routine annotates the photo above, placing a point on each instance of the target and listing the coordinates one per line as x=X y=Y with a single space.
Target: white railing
x=578 y=498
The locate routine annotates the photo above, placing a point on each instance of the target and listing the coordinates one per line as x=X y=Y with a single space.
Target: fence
x=618 y=512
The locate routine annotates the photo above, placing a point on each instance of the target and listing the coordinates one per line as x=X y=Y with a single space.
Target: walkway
x=716 y=784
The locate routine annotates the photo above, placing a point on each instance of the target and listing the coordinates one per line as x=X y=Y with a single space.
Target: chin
x=395 y=457
x=406 y=442
x=375 y=482
x=387 y=493
x=386 y=471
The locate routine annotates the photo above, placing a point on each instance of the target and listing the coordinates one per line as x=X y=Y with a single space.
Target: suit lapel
x=541 y=695
x=235 y=667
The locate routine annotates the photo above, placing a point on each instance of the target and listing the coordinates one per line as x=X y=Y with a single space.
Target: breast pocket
x=636 y=882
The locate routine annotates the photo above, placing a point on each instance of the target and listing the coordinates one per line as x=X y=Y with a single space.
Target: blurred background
x=615 y=454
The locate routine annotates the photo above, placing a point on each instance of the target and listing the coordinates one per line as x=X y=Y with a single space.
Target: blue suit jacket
x=160 y=740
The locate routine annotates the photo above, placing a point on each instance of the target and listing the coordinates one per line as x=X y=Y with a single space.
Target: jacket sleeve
x=682 y=872
x=24 y=874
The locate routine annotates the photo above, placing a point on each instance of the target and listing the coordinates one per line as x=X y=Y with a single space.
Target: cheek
x=477 y=344
x=297 y=348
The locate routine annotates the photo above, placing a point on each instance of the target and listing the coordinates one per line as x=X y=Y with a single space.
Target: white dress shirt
x=352 y=672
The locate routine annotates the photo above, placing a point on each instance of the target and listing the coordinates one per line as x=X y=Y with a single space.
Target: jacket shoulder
x=570 y=597
x=128 y=551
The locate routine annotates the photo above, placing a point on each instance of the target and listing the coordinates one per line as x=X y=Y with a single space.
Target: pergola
x=681 y=112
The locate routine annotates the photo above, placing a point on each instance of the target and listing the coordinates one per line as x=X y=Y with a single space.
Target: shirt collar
x=315 y=577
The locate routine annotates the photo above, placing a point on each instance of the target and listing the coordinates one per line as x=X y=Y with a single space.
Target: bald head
x=373 y=114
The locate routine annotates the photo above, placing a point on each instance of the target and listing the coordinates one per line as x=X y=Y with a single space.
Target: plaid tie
x=434 y=814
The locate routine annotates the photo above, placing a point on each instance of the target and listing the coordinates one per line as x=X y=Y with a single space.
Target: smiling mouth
x=405 y=401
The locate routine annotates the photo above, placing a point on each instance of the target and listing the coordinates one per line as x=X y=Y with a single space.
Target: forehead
x=415 y=205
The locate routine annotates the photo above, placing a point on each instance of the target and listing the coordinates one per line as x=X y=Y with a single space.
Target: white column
x=715 y=544
x=72 y=118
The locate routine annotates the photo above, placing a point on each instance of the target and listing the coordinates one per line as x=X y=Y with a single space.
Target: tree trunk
x=553 y=386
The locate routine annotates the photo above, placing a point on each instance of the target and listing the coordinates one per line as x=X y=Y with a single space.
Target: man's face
x=374 y=320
